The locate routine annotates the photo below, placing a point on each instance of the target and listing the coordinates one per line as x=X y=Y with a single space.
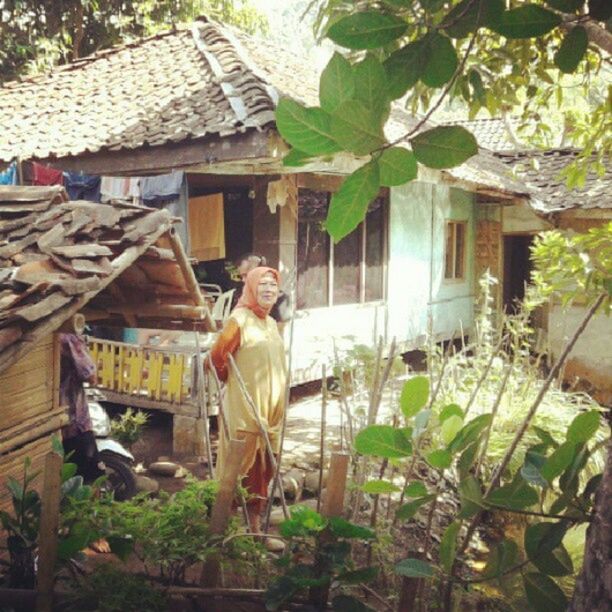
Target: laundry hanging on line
x=82 y=186
x=120 y=188
x=45 y=175
x=9 y=176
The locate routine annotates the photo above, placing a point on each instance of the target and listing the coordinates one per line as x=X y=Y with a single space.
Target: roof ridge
x=233 y=82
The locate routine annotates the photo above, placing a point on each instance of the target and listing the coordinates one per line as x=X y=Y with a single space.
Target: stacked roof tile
x=58 y=255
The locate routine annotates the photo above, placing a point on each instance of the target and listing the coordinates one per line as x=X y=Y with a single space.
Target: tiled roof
x=175 y=86
x=493 y=133
x=541 y=170
x=56 y=256
x=189 y=83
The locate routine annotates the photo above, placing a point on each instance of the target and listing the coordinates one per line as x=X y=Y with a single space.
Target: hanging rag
x=161 y=188
x=9 y=176
x=82 y=186
x=126 y=188
x=168 y=191
x=45 y=175
x=207 y=227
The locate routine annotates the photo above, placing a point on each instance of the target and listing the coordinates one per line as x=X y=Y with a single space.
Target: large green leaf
x=466 y=460
x=526 y=21
x=342 y=528
x=544 y=548
x=378 y=487
x=515 y=496
x=357 y=128
x=383 y=441
x=469 y=433
x=407 y=511
x=349 y=204
x=415 y=489
x=462 y=20
x=403 y=68
x=414 y=568
x=534 y=460
x=583 y=427
x=445 y=146
x=501 y=558
x=366 y=30
x=471 y=497
x=397 y=166
x=558 y=461
x=307 y=129
x=440 y=459
x=414 y=395
x=448 y=545
x=572 y=50
x=450 y=428
x=337 y=84
x=545 y=436
x=543 y=593
x=370 y=85
x=449 y=411
x=440 y=60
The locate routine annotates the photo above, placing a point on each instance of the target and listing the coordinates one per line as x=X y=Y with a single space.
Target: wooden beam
x=209 y=150
x=74 y=325
x=135 y=401
x=177 y=311
x=49 y=520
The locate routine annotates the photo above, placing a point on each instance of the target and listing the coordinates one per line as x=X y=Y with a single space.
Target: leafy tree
x=492 y=54
x=37 y=34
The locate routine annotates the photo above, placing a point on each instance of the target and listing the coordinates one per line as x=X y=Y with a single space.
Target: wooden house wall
x=29 y=412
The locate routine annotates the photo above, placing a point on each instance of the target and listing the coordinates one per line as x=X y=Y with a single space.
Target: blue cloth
x=82 y=186
x=130 y=335
x=9 y=176
x=168 y=191
x=157 y=189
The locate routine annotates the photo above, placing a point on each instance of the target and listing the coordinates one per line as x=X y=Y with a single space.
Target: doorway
x=517 y=269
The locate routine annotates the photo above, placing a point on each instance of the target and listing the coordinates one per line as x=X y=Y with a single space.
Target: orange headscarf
x=248 y=299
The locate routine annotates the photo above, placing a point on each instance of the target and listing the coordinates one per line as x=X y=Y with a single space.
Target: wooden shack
x=119 y=264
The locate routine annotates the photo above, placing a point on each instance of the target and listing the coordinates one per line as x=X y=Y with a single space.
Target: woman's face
x=267 y=291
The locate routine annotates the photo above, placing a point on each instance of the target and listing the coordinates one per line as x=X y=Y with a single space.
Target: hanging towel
x=207 y=227
x=9 y=176
x=162 y=187
x=120 y=188
x=45 y=175
x=82 y=186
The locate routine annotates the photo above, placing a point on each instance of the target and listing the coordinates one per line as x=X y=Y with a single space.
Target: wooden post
x=222 y=510
x=323 y=427
x=49 y=519
x=333 y=504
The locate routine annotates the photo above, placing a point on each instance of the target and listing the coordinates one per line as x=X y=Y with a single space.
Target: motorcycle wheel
x=121 y=478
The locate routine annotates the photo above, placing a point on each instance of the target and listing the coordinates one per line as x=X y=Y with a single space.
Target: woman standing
x=252 y=337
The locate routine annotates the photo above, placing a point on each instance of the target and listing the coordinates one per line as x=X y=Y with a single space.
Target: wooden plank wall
x=28 y=400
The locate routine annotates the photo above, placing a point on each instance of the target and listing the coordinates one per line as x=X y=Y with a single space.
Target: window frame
x=454 y=223
x=362 y=262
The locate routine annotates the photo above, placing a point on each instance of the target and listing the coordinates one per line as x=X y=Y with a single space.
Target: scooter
x=118 y=461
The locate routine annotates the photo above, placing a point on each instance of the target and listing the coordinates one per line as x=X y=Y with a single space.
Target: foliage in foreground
x=319 y=558
x=483 y=51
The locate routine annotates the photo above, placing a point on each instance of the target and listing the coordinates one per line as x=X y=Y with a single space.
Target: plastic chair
x=223 y=306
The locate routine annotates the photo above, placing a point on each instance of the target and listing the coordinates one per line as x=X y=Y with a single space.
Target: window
x=454 y=257
x=349 y=272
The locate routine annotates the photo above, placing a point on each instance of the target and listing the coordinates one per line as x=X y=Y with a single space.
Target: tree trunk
x=593 y=591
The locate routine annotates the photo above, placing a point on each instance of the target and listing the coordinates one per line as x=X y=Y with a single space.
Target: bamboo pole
x=262 y=429
x=276 y=484
x=202 y=402
x=49 y=521
x=323 y=427
x=222 y=509
x=226 y=431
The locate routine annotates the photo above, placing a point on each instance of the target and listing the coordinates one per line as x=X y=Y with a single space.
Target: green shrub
x=128 y=427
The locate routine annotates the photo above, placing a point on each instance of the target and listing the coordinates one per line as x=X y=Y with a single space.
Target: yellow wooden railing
x=158 y=374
